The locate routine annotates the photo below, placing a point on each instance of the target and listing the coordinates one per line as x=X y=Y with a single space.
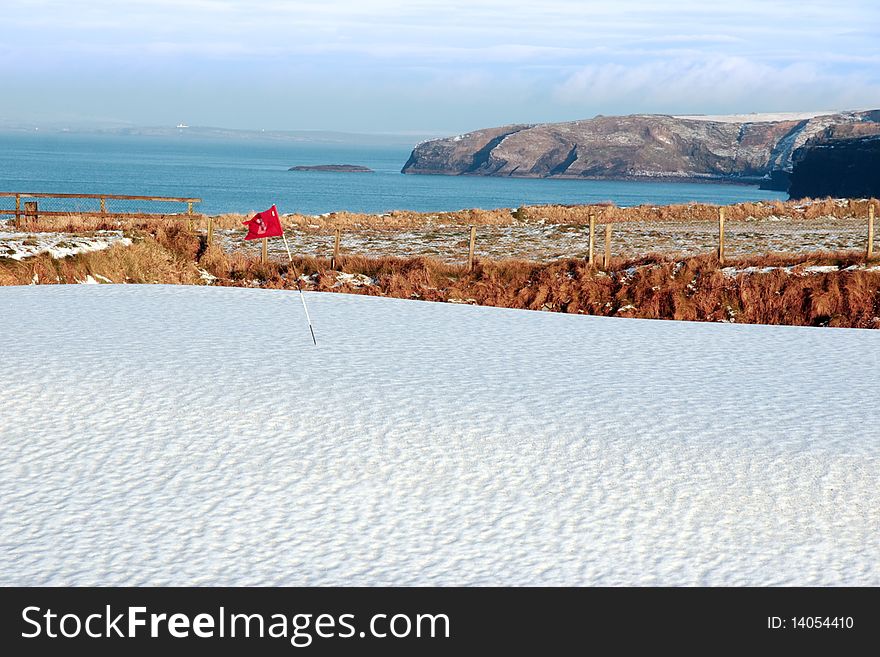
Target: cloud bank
x=429 y=66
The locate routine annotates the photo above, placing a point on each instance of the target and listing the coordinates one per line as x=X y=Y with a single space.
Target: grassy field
x=820 y=288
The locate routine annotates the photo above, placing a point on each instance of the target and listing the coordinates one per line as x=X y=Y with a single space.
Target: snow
x=756 y=117
x=21 y=245
x=193 y=435
x=207 y=276
x=796 y=269
x=355 y=280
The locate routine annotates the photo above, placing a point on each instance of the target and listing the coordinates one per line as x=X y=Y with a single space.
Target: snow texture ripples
x=162 y=435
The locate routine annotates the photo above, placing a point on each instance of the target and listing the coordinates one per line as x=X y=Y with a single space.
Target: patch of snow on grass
x=18 y=246
x=355 y=280
x=796 y=269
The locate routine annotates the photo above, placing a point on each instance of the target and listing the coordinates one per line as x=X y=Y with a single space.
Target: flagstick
x=308 y=319
x=299 y=287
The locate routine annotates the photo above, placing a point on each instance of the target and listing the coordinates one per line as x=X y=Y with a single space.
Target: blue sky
x=428 y=67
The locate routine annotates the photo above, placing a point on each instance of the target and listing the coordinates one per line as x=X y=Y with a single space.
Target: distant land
x=752 y=149
x=213 y=133
x=338 y=168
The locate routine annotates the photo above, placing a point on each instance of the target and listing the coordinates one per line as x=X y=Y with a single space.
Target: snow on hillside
x=171 y=435
x=756 y=117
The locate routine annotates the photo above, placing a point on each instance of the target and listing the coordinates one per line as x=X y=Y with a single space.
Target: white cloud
x=722 y=84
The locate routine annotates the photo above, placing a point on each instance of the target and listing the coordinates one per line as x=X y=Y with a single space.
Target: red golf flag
x=264 y=224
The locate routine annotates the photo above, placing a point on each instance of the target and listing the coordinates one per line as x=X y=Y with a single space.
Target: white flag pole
x=286 y=246
x=299 y=287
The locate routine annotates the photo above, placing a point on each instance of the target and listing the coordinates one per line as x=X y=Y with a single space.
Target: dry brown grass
x=167 y=256
x=657 y=288
x=798 y=210
x=552 y=214
x=74 y=223
x=395 y=220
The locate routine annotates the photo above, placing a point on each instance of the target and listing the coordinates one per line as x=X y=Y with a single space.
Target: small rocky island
x=337 y=168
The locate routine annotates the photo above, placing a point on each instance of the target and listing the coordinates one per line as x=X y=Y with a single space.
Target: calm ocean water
x=245 y=175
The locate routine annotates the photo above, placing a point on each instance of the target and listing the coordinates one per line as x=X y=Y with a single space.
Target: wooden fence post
x=606 y=262
x=592 y=257
x=471 y=248
x=335 y=259
x=264 y=252
x=103 y=205
x=210 y=231
x=721 y=236
x=31 y=210
x=870 y=253
x=189 y=211
x=17 y=211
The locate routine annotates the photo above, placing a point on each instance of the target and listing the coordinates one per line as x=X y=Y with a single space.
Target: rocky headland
x=754 y=149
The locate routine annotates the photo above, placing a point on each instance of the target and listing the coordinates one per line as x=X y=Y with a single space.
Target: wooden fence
x=27 y=205
x=601 y=240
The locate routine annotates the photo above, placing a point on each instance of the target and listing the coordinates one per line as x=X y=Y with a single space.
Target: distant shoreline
x=746 y=182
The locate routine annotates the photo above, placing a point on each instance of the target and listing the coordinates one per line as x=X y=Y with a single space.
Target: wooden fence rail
x=126 y=197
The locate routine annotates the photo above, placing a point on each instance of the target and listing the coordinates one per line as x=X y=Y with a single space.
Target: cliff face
x=638 y=146
x=464 y=154
x=837 y=166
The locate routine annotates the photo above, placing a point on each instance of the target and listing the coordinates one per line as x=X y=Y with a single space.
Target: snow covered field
x=171 y=435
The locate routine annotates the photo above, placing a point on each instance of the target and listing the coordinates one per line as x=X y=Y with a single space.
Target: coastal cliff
x=838 y=167
x=755 y=149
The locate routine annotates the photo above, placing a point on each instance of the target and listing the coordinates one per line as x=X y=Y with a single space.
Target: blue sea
x=242 y=175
